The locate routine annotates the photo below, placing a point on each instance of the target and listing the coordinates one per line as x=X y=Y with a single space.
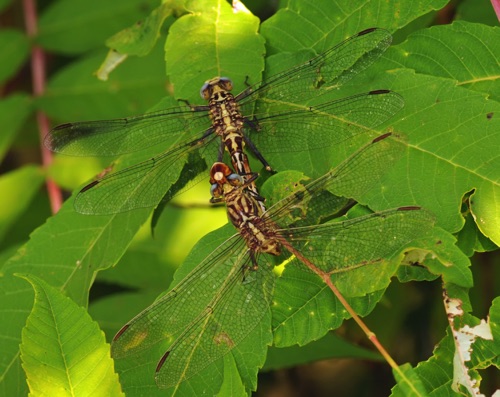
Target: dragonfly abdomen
x=259 y=237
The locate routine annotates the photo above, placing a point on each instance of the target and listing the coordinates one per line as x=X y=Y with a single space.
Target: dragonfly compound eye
x=226 y=83
x=235 y=179
x=205 y=91
x=215 y=191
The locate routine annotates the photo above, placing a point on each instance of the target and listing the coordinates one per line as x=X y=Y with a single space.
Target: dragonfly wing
x=119 y=136
x=139 y=186
x=352 y=178
x=360 y=244
x=326 y=71
x=163 y=321
x=327 y=124
x=222 y=326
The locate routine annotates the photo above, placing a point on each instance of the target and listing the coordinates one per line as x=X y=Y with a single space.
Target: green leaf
x=75 y=247
x=15 y=49
x=63 y=351
x=304 y=308
x=210 y=41
x=112 y=311
x=320 y=24
x=249 y=354
x=436 y=111
x=438 y=371
x=77 y=26
x=408 y=382
x=441 y=258
x=172 y=242
x=480 y=11
x=451 y=150
x=16 y=300
x=75 y=94
x=22 y=186
x=140 y=38
x=4 y=4
x=330 y=346
x=67 y=251
x=14 y=111
x=470 y=239
x=466 y=53
x=232 y=385
x=487 y=352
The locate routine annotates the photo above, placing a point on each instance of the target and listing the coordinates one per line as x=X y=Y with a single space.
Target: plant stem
x=38 y=74
x=325 y=276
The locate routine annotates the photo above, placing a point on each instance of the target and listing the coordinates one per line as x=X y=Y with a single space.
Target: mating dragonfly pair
x=196 y=329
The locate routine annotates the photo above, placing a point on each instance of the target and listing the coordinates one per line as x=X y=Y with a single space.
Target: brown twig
x=38 y=74
x=325 y=276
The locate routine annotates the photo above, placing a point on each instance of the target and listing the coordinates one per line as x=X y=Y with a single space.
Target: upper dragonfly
x=228 y=294
x=279 y=108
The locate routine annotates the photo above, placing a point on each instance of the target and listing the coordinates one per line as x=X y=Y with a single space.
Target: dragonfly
x=265 y=118
x=227 y=295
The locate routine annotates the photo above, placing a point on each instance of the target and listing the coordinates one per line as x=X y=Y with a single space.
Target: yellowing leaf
x=63 y=351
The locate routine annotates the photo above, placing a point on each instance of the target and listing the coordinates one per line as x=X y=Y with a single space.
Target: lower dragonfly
x=224 y=298
x=299 y=105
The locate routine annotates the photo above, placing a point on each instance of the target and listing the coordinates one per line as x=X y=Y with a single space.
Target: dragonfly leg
x=201 y=140
x=258 y=197
x=256 y=152
x=253 y=259
x=194 y=108
x=220 y=153
x=243 y=94
x=185 y=102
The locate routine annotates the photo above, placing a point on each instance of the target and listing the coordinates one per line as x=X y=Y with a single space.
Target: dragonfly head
x=223 y=180
x=215 y=85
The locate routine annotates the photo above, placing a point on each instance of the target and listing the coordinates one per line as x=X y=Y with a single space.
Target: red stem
x=38 y=75
x=496 y=7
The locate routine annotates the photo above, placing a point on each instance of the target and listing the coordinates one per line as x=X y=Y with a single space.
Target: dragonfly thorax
x=227 y=120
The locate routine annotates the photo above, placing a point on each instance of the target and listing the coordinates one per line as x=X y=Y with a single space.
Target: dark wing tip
x=88 y=187
x=382 y=137
x=48 y=141
x=120 y=332
x=162 y=361
x=410 y=208
x=366 y=31
x=58 y=137
x=62 y=126
x=379 y=92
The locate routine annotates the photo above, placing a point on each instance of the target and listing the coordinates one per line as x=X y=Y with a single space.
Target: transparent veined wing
x=203 y=317
x=222 y=326
x=130 y=134
x=328 y=70
x=326 y=124
x=141 y=185
x=352 y=178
